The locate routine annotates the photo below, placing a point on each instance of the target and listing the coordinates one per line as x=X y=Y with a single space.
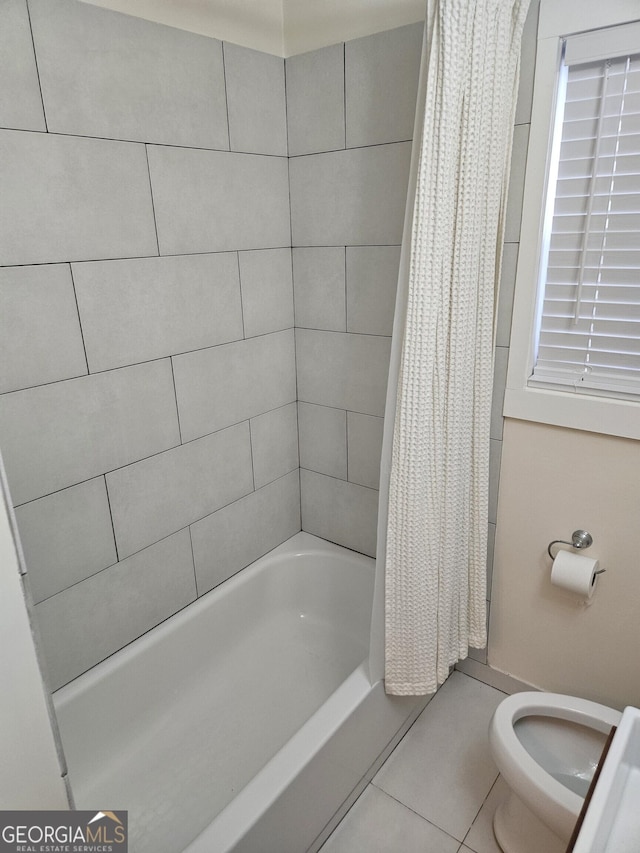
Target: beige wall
x=281 y=27
x=553 y=481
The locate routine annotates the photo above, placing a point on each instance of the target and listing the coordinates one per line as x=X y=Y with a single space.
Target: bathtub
x=247 y=721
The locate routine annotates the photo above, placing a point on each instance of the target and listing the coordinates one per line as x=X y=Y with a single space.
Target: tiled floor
x=437 y=791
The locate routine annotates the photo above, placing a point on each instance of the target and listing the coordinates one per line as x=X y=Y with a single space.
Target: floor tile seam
x=495 y=782
x=417 y=814
x=479 y=680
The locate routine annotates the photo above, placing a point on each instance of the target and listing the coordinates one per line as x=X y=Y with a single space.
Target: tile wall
x=169 y=215
x=148 y=418
x=350 y=116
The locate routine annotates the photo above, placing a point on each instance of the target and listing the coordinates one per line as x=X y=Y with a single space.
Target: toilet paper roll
x=575 y=573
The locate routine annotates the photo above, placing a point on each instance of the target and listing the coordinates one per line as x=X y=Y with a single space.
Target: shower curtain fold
x=433 y=516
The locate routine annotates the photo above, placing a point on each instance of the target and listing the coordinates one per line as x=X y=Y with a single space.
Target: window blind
x=589 y=323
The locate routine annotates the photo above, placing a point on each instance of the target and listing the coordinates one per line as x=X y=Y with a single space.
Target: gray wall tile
x=495 y=457
x=344 y=371
x=166 y=492
x=212 y=201
x=507 y=289
x=354 y=197
x=116 y=76
x=274 y=444
x=267 y=291
x=65 y=198
x=527 y=64
x=491 y=547
x=339 y=511
x=381 y=73
x=20 y=100
x=256 y=99
x=145 y=308
x=364 y=443
x=93 y=619
x=499 y=385
x=224 y=385
x=40 y=337
x=66 y=537
x=233 y=537
x=323 y=439
x=372 y=280
x=315 y=100
x=513 y=215
x=58 y=435
x=319 y=288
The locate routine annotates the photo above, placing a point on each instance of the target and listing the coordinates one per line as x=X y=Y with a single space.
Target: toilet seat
x=537 y=788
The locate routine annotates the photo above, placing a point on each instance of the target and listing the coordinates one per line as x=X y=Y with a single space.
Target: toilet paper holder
x=580 y=539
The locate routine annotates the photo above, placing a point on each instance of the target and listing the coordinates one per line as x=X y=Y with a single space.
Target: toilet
x=547 y=747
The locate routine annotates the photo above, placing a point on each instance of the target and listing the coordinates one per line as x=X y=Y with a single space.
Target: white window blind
x=589 y=322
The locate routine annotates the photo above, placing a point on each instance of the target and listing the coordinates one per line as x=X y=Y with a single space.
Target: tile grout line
x=115 y=652
x=105 y=260
x=340 y=479
x=113 y=528
x=229 y=150
x=226 y=94
x=344 y=150
x=151 y=456
x=175 y=397
x=35 y=58
x=153 y=206
x=413 y=811
x=153 y=360
x=286 y=112
x=482 y=805
x=344 y=90
x=253 y=471
x=167 y=536
x=84 y=346
x=244 y=331
x=193 y=560
x=300 y=494
x=164 y=619
x=138 y=142
x=293 y=288
x=345 y=295
x=346 y=328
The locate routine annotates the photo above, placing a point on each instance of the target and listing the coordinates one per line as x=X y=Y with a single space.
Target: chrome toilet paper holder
x=580 y=539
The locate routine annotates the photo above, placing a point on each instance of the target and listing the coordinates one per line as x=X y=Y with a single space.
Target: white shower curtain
x=433 y=509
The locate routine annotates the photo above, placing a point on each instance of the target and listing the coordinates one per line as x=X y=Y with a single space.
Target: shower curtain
x=432 y=529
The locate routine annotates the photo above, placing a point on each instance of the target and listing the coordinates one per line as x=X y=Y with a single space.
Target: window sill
x=574 y=411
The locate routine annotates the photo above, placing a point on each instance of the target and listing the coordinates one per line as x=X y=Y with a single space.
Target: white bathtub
x=245 y=721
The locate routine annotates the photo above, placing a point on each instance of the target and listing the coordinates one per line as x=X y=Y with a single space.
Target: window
x=574 y=358
x=588 y=324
